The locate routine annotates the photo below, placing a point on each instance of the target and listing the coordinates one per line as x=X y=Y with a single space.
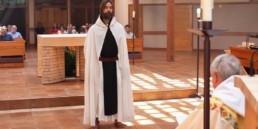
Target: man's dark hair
x=103 y=5
x=127 y=26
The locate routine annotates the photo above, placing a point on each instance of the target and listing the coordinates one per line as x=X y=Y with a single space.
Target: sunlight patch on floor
x=164 y=110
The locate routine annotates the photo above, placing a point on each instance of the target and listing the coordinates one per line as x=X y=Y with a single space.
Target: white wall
x=152 y=1
x=155 y=19
x=121 y=10
x=155 y=41
x=234 y=18
x=189 y=1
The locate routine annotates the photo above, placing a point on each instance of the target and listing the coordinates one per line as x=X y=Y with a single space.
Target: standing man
x=40 y=29
x=108 y=91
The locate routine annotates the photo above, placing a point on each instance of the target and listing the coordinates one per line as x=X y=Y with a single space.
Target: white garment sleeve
x=195 y=121
x=128 y=110
x=89 y=89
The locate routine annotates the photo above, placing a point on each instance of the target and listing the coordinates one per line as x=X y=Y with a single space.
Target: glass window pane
x=12 y=2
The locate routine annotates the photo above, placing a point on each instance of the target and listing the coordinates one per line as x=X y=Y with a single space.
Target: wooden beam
x=154 y=32
x=170 y=30
x=69 y=11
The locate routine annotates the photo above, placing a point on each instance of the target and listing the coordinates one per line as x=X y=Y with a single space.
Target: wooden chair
x=244 y=56
x=138 y=49
x=12 y=53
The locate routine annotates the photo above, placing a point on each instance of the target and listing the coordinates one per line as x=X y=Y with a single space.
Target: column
x=82 y=62
x=69 y=11
x=77 y=66
x=170 y=29
x=53 y=65
x=31 y=21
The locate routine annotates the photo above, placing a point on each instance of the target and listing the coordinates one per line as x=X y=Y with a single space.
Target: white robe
x=230 y=96
x=94 y=96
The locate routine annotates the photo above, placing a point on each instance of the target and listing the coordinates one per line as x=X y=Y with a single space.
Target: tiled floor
x=153 y=74
x=148 y=115
x=153 y=79
x=183 y=70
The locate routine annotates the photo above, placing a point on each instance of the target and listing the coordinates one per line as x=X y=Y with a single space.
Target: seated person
x=87 y=27
x=9 y=28
x=74 y=30
x=40 y=29
x=128 y=33
x=227 y=104
x=14 y=32
x=69 y=29
x=54 y=29
x=4 y=36
x=82 y=30
x=62 y=30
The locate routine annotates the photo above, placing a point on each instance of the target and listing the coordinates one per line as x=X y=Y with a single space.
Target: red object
x=54 y=31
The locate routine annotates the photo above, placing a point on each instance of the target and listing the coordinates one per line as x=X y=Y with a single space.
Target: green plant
x=70 y=58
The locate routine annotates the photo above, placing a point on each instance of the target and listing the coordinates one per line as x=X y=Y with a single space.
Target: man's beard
x=107 y=16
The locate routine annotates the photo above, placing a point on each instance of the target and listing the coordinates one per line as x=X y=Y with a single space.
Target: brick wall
x=81 y=62
x=77 y=61
x=53 y=65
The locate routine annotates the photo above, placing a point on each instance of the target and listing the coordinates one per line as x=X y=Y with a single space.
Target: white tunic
x=129 y=35
x=94 y=96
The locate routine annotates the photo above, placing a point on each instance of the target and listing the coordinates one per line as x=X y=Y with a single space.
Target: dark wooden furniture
x=138 y=49
x=244 y=55
x=12 y=53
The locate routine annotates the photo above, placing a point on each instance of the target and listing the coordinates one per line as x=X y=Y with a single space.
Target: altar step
x=79 y=100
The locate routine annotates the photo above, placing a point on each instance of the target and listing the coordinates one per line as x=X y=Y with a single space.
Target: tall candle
x=198 y=11
x=133 y=14
x=207 y=6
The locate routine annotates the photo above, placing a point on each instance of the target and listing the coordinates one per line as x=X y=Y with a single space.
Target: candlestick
x=207 y=6
x=133 y=14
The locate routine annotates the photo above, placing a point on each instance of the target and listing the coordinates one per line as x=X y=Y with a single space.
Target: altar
x=51 y=58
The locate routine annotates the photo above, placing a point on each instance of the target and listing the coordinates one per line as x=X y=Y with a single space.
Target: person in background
x=40 y=29
x=74 y=30
x=62 y=30
x=54 y=29
x=4 y=36
x=128 y=33
x=9 y=28
x=227 y=104
x=87 y=27
x=82 y=30
x=14 y=32
x=69 y=29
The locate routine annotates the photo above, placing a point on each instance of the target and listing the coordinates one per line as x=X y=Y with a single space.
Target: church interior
x=42 y=73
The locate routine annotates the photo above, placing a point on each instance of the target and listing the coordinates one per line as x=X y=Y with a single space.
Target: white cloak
x=94 y=96
x=230 y=96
